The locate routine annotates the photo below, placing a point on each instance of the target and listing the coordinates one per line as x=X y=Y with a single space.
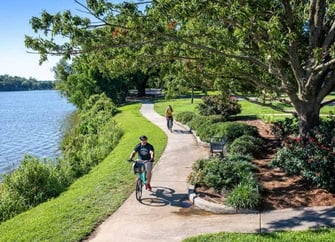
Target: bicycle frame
x=141 y=178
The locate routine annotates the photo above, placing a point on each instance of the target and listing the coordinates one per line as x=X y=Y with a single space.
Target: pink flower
x=312 y=140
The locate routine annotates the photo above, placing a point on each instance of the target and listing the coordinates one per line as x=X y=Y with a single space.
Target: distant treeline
x=15 y=83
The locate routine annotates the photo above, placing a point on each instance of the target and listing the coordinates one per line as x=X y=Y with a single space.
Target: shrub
x=284 y=128
x=224 y=106
x=234 y=172
x=100 y=103
x=34 y=182
x=245 y=195
x=93 y=139
x=198 y=172
x=246 y=144
x=221 y=173
x=234 y=130
x=231 y=131
x=185 y=117
x=325 y=131
x=312 y=160
x=197 y=121
x=11 y=204
x=204 y=126
x=215 y=125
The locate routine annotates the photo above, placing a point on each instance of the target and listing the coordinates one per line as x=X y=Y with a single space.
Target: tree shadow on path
x=180 y=131
x=316 y=219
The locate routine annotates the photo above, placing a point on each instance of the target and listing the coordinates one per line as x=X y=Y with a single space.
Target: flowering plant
x=312 y=159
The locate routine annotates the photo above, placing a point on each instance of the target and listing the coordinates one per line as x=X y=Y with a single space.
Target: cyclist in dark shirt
x=145 y=151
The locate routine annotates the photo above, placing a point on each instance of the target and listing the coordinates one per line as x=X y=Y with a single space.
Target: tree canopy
x=279 y=46
x=15 y=83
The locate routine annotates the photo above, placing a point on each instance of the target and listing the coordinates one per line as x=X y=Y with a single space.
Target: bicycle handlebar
x=138 y=160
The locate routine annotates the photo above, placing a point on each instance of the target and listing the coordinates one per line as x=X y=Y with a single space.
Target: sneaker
x=148 y=187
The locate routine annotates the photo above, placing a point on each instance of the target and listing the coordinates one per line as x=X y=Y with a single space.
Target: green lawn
x=324 y=235
x=178 y=105
x=248 y=110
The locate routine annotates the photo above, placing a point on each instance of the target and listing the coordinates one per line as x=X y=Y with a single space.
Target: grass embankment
x=92 y=198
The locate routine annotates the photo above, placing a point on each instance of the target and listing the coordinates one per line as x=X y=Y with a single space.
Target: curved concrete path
x=166 y=214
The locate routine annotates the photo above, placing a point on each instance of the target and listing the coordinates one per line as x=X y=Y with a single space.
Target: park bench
x=216 y=145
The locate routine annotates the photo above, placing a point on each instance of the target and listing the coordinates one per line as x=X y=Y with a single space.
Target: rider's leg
x=148 y=177
x=148 y=167
x=167 y=122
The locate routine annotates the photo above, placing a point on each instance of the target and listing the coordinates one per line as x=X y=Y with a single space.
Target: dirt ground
x=279 y=190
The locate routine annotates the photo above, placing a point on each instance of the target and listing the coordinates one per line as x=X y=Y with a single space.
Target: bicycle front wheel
x=138 y=189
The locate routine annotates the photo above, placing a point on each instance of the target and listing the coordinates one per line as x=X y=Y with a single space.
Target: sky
x=14 y=25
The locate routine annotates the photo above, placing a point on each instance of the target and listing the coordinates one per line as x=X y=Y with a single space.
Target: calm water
x=31 y=122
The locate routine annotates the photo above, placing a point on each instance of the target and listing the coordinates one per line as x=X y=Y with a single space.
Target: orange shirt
x=168 y=113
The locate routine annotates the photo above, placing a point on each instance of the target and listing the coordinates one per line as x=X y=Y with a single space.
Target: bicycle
x=141 y=173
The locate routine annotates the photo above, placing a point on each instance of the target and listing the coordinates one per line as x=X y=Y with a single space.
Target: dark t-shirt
x=143 y=151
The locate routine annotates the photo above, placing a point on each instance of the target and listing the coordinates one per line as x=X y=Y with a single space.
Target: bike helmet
x=143 y=137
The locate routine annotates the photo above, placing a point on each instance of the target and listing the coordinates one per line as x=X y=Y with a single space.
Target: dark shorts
x=148 y=166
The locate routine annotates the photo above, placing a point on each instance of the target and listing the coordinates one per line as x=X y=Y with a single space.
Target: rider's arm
x=132 y=154
x=152 y=155
x=135 y=150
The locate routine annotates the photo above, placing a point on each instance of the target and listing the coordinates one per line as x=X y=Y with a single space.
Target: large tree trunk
x=141 y=89
x=308 y=114
x=141 y=83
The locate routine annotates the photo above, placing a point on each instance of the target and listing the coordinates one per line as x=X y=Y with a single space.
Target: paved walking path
x=166 y=214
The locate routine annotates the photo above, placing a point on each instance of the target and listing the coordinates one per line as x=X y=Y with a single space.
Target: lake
x=31 y=122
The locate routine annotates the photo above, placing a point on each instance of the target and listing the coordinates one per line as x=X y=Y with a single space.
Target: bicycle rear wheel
x=138 y=189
